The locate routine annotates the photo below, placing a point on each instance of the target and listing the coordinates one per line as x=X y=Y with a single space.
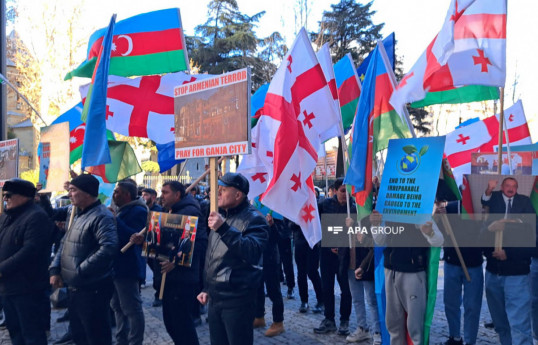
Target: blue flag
x=95 y=150
x=388 y=43
x=166 y=156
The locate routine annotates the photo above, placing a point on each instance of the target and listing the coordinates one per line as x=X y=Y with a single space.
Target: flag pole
x=499 y=234
x=5 y=80
x=507 y=139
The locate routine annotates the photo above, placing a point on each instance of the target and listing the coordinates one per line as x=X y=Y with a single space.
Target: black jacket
x=407 y=259
x=89 y=247
x=233 y=264
x=189 y=206
x=25 y=242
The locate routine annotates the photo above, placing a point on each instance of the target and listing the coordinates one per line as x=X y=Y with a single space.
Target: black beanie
x=21 y=187
x=87 y=183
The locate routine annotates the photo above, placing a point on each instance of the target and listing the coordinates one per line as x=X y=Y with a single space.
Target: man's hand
x=375 y=218
x=137 y=239
x=492 y=184
x=167 y=266
x=56 y=281
x=358 y=273
x=349 y=222
x=215 y=220
x=440 y=207
x=499 y=255
x=202 y=298
x=427 y=229
x=269 y=219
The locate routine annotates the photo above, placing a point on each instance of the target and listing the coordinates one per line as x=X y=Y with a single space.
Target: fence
x=156 y=182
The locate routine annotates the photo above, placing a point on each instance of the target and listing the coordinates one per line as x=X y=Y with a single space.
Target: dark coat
x=25 y=242
x=131 y=218
x=233 y=265
x=89 y=247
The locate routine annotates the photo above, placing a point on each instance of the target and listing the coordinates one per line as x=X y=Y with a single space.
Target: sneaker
x=290 y=294
x=452 y=341
x=259 y=322
x=303 y=308
x=318 y=308
x=360 y=334
x=344 y=328
x=157 y=302
x=275 y=329
x=325 y=326
x=377 y=338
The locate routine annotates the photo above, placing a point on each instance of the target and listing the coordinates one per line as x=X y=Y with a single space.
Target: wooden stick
x=498 y=240
x=2 y=201
x=130 y=244
x=450 y=233
x=213 y=178
x=499 y=234
x=73 y=211
x=161 y=291
x=202 y=176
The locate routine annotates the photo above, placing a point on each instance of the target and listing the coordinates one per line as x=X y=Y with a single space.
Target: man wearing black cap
x=24 y=250
x=233 y=263
x=85 y=260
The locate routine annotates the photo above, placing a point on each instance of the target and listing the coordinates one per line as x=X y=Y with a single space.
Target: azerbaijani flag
x=95 y=150
x=375 y=123
x=123 y=164
x=388 y=43
x=348 y=86
x=77 y=128
x=256 y=103
x=146 y=44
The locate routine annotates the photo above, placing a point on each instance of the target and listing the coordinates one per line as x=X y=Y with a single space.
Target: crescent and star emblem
x=129 y=42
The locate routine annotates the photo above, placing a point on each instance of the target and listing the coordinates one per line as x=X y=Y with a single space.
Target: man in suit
x=507 y=271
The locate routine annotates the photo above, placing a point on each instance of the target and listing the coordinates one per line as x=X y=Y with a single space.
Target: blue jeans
x=534 y=289
x=509 y=302
x=24 y=324
x=127 y=306
x=361 y=291
x=472 y=301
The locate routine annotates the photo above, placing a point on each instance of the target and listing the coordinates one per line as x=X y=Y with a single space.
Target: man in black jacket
x=181 y=281
x=233 y=263
x=25 y=239
x=507 y=269
x=85 y=260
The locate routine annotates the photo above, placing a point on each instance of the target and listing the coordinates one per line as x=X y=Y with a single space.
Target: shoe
x=344 y=328
x=360 y=334
x=290 y=294
x=259 y=322
x=303 y=308
x=452 y=341
x=325 y=326
x=67 y=338
x=489 y=325
x=318 y=308
x=64 y=317
x=275 y=329
x=197 y=322
x=157 y=302
x=377 y=338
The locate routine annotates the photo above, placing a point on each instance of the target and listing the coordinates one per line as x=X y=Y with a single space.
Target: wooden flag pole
x=2 y=201
x=213 y=186
x=130 y=244
x=202 y=176
x=450 y=233
x=499 y=234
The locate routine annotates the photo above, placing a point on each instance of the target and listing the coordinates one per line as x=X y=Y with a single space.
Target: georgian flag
x=325 y=61
x=483 y=136
x=299 y=106
x=470 y=49
x=144 y=106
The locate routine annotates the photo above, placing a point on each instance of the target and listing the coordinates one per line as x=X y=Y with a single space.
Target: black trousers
x=89 y=313
x=178 y=300
x=330 y=268
x=23 y=321
x=232 y=325
x=286 y=258
x=307 y=261
x=272 y=284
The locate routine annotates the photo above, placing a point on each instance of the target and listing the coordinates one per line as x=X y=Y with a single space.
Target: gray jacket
x=87 y=251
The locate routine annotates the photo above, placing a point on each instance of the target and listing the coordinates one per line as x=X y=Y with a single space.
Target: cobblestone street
x=299 y=327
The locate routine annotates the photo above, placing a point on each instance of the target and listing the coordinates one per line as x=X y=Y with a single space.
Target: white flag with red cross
x=144 y=106
x=470 y=49
x=483 y=136
x=325 y=61
x=298 y=107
